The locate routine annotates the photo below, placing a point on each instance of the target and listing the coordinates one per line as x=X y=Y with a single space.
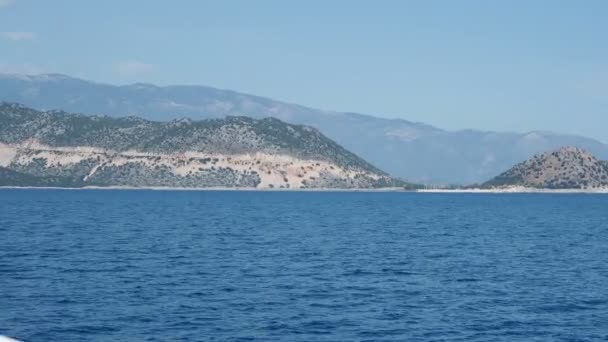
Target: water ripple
x=265 y=266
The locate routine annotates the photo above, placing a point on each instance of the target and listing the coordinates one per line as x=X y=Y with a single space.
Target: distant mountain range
x=414 y=151
x=566 y=168
x=60 y=149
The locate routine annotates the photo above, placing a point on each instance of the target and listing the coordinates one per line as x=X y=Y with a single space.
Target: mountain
x=10 y=177
x=410 y=150
x=566 y=168
x=56 y=148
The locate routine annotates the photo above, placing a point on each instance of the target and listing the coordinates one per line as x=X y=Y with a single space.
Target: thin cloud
x=23 y=69
x=6 y=3
x=133 y=67
x=17 y=36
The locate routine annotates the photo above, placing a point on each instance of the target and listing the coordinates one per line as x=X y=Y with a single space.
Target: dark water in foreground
x=228 y=266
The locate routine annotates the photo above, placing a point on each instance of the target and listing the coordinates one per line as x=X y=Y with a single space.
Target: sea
x=145 y=265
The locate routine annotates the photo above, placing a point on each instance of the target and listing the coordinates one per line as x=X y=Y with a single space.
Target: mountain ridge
x=565 y=168
x=411 y=150
x=76 y=149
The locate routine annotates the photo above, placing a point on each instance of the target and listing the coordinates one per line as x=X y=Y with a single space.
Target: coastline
x=516 y=190
x=510 y=190
x=105 y=188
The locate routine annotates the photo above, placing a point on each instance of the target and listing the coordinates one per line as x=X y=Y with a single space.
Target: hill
x=410 y=150
x=57 y=147
x=566 y=168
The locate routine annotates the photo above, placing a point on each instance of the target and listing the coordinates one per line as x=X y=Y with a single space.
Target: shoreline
x=513 y=190
x=203 y=189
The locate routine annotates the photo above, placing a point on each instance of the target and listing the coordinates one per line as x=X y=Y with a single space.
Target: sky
x=492 y=65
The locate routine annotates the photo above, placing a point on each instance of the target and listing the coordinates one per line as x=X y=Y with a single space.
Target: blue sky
x=494 y=65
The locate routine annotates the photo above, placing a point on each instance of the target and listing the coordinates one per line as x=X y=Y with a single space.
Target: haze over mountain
x=411 y=150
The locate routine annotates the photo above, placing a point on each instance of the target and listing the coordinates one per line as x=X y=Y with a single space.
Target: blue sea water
x=105 y=265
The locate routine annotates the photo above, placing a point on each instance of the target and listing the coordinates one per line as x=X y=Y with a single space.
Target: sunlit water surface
x=105 y=265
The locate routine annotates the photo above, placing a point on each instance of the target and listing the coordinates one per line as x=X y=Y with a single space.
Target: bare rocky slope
x=406 y=149
x=62 y=149
x=566 y=168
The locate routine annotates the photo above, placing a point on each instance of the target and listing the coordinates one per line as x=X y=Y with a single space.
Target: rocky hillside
x=411 y=150
x=62 y=149
x=567 y=168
